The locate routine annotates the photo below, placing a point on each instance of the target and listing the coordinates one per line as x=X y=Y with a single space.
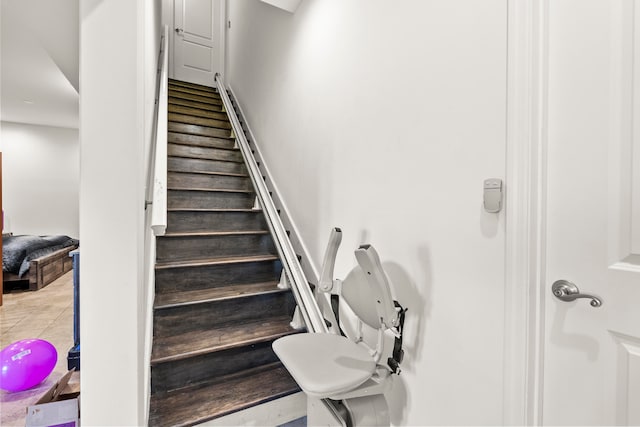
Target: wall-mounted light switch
x=492 y=195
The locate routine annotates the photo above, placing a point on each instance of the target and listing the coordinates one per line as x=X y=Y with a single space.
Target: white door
x=197 y=40
x=592 y=355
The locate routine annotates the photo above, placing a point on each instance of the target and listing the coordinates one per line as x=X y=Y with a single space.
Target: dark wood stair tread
x=198 y=342
x=195 y=157
x=199 y=141
x=202 y=159
x=184 y=163
x=203 y=99
x=211 y=190
x=205 y=148
x=194 y=91
x=199 y=130
x=202 y=172
x=210 y=199
x=201 y=178
x=224 y=154
x=232 y=393
x=182 y=90
x=200 y=121
x=193 y=85
x=196 y=129
x=198 y=112
x=194 y=104
x=213 y=233
x=215 y=261
x=197 y=98
x=213 y=210
x=197 y=296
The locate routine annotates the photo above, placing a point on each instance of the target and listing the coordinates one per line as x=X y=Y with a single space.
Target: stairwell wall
x=384 y=120
x=118 y=58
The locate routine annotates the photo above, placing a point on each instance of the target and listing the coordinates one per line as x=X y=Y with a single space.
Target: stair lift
x=346 y=371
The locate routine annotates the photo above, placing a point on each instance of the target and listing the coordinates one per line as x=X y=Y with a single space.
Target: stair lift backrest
x=367 y=292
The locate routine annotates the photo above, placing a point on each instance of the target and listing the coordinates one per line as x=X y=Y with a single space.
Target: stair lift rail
x=158 y=157
x=299 y=284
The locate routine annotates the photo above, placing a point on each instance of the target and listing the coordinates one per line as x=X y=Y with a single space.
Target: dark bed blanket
x=18 y=251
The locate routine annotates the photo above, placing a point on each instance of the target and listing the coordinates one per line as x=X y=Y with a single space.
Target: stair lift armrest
x=327 y=285
x=326 y=276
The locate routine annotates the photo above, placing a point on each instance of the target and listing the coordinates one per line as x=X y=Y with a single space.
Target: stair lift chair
x=345 y=377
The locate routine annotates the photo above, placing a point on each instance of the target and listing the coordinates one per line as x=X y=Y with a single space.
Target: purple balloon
x=26 y=363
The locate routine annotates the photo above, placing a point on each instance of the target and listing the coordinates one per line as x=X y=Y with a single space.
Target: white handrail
x=159 y=200
x=299 y=284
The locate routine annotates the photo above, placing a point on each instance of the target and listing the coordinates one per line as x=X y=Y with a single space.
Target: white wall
x=41 y=172
x=384 y=119
x=117 y=73
x=167 y=19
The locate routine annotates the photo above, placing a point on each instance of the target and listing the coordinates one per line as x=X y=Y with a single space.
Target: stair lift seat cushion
x=324 y=365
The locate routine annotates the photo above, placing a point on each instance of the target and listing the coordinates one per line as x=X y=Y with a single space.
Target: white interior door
x=592 y=355
x=197 y=40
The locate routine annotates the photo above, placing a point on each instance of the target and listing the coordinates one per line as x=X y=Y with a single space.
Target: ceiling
x=39 y=49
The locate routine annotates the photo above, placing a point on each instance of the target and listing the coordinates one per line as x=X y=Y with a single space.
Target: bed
x=37 y=259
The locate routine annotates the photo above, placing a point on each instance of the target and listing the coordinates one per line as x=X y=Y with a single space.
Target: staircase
x=217 y=306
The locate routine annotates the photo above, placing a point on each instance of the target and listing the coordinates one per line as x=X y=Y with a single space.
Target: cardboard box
x=58 y=407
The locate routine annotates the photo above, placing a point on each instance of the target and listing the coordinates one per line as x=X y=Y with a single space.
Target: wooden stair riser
x=208 y=367
x=199 y=121
x=194 y=104
x=200 y=296
x=198 y=130
x=179 y=320
x=205 y=340
x=200 y=141
x=203 y=180
x=215 y=221
x=193 y=91
x=182 y=164
x=205 y=153
x=197 y=98
x=197 y=86
x=202 y=277
x=231 y=394
x=198 y=112
x=209 y=200
x=207 y=247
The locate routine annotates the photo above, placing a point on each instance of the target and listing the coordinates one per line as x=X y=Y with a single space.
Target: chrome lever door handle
x=564 y=290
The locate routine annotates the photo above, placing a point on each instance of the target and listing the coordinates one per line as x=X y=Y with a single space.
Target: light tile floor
x=46 y=314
